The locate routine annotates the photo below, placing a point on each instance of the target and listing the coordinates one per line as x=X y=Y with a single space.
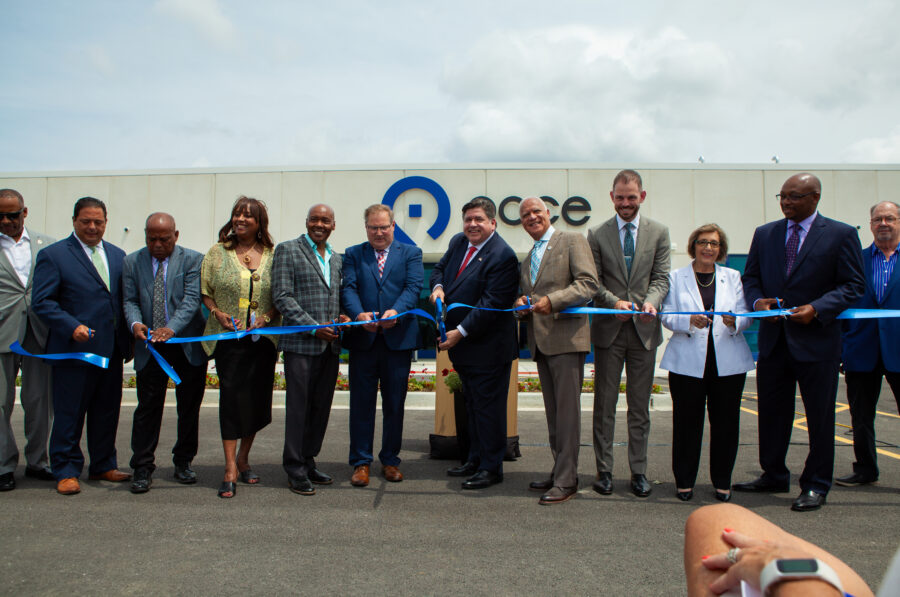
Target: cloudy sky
x=110 y=85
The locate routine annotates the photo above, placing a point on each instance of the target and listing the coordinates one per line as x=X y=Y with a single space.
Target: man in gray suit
x=556 y=274
x=632 y=258
x=161 y=295
x=306 y=288
x=20 y=248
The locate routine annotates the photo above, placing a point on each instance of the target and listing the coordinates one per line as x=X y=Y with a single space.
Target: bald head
x=320 y=224
x=159 y=220
x=800 y=196
x=160 y=234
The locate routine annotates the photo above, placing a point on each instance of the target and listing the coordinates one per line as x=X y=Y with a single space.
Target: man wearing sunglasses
x=20 y=324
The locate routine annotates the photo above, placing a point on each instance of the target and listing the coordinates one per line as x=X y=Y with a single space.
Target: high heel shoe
x=723 y=496
x=685 y=496
x=227 y=487
x=249 y=477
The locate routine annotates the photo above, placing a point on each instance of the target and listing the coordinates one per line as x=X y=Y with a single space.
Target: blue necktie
x=536 y=260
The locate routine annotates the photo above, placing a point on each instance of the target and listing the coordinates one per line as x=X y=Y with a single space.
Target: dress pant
x=36 y=404
x=639 y=363
x=486 y=389
x=85 y=392
x=863 y=391
x=561 y=378
x=691 y=398
x=777 y=378
x=152 y=383
x=309 y=392
x=368 y=368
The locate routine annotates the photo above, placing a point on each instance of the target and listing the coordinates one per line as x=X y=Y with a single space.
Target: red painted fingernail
x=704 y=557
x=727 y=530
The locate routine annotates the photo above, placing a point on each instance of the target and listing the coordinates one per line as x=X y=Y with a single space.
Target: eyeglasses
x=378 y=228
x=793 y=196
x=889 y=220
x=702 y=242
x=11 y=215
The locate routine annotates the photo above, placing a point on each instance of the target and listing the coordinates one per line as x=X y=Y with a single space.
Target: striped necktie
x=536 y=260
x=381 y=257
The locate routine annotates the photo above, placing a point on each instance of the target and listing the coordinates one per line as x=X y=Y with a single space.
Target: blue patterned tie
x=629 y=246
x=536 y=260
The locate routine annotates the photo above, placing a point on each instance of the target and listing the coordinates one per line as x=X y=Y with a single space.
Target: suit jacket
x=568 y=278
x=490 y=280
x=686 y=350
x=862 y=338
x=182 y=299
x=15 y=299
x=362 y=290
x=648 y=282
x=828 y=274
x=68 y=292
x=301 y=294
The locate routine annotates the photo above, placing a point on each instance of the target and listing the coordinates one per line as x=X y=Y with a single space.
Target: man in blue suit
x=869 y=351
x=78 y=294
x=811 y=264
x=161 y=290
x=382 y=278
x=481 y=270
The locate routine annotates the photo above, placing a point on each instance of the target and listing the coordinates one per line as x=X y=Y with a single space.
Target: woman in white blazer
x=706 y=371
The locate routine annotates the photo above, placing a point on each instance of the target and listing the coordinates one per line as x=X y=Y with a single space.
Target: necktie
x=98 y=263
x=380 y=257
x=536 y=260
x=792 y=246
x=159 y=297
x=628 y=249
x=466 y=260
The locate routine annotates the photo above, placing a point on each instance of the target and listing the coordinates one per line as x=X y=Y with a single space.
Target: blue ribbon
x=163 y=364
x=87 y=357
x=439 y=312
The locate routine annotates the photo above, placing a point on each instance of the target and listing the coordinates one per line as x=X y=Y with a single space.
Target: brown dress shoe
x=360 y=476
x=392 y=474
x=116 y=476
x=557 y=495
x=68 y=486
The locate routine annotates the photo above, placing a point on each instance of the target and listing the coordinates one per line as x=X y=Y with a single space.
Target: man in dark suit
x=481 y=270
x=161 y=291
x=78 y=294
x=306 y=289
x=20 y=248
x=382 y=278
x=869 y=348
x=811 y=264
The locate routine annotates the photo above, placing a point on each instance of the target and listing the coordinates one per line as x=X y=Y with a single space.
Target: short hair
x=626 y=176
x=490 y=210
x=13 y=193
x=257 y=209
x=88 y=202
x=723 y=241
x=871 y=209
x=376 y=208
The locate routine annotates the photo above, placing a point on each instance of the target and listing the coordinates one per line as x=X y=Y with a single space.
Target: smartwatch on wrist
x=778 y=571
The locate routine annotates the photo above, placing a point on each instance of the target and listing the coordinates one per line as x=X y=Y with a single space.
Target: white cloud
x=205 y=15
x=876 y=150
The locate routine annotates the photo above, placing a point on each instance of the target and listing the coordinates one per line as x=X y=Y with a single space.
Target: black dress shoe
x=761 y=485
x=301 y=485
x=541 y=485
x=722 y=496
x=807 y=501
x=464 y=470
x=184 y=474
x=482 y=479
x=43 y=474
x=854 y=479
x=640 y=486
x=141 y=481
x=7 y=482
x=319 y=478
x=603 y=485
x=685 y=496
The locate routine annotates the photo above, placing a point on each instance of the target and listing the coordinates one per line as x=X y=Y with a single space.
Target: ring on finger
x=732 y=555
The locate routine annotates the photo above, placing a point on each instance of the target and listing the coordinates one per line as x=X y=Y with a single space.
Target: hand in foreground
x=766 y=304
x=437 y=294
x=521 y=302
x=729 y=320
x=624 y=306
x=803 y=314
x=327 y=334
x=369 y=327
x=542 y=306
x=82 y=333
x=159 y=335
x=227 y=322
x=140 y=331
x=648 y=313
x=388 y=324
x=453 y=338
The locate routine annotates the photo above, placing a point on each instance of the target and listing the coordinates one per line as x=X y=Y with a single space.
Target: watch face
x=797 y=566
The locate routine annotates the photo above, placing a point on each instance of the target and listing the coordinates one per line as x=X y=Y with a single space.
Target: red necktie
x=466 y=260
x=380 y=258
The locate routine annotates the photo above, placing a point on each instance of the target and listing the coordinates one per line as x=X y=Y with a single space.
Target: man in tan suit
x=556 y=274
x=631 y=254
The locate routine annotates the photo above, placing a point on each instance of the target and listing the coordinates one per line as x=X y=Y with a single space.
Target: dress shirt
x=324 y=262
x=634 y=231
x=19 y=254
x=90 y=252
x=546 y=241
x=461 y=329
x=882 y=269
x=805 y=225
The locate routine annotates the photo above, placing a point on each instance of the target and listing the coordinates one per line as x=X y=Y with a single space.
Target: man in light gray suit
x=306 y=289
x=557 y=273
x=19 y=323
x=632 y=258
x=161 y=299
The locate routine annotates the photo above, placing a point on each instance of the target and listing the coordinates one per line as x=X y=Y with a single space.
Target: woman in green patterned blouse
x=236 y=282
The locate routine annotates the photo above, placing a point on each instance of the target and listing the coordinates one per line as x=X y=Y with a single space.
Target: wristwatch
x=778 y=571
